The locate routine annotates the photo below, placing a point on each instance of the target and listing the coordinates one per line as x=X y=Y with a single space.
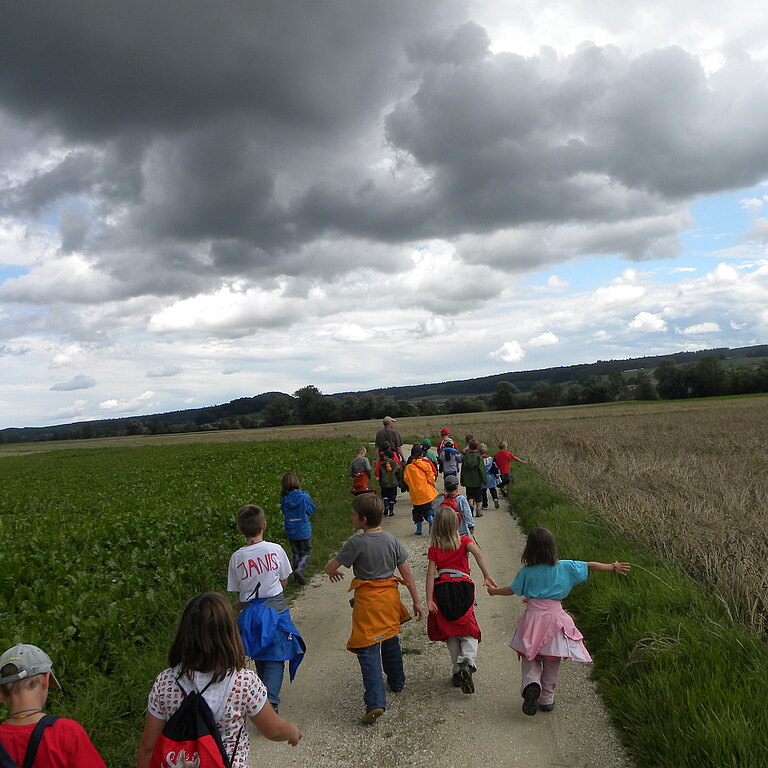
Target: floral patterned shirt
x=238 y=696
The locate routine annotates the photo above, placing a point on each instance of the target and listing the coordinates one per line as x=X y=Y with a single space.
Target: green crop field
x=101 y=549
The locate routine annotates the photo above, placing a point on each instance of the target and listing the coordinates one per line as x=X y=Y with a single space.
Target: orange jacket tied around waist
x=377 y=612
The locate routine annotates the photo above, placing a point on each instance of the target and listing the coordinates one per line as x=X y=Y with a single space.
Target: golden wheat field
x=688 y=478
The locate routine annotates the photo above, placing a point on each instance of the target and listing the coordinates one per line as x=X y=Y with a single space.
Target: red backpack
x=360 y=483
x=191 y=738
x=450 y=501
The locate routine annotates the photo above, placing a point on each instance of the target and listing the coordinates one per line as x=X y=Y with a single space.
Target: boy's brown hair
x=17 y=686
x=502 y=446
x=207 y=639
x=473 y=445
x=290 y=482
x=370 y=507
x=251 y=520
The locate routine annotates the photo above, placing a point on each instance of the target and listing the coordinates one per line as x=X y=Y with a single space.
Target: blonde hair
x=445 y=530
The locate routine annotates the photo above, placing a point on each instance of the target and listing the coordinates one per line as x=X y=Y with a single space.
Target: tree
x=308 y=404
x=506 y=396
x=278 y=413
x=670 y=379
x=617 y=386
x=134 y=427
x=544 y=394
x=595 y=391
x=645 y=387
x=707 y=377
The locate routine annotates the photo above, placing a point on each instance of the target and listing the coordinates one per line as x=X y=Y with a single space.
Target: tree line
x=706 y=377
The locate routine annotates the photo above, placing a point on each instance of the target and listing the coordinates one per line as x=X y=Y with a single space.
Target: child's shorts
x=475 y=494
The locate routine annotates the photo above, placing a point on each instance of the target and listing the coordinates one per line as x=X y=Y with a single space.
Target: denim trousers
x=372 y=658
x=271 y=674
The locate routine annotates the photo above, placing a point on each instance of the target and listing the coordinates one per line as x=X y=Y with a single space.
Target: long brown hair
x=540 y=548
x=207 y=639
x=290 y=482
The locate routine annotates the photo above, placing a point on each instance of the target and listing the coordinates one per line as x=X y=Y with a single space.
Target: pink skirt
x=545 y=629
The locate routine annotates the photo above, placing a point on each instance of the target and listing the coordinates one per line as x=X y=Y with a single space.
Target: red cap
x=443 y=431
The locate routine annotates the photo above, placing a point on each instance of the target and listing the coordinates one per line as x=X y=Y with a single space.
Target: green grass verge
x=102 y=548
x=683 y=682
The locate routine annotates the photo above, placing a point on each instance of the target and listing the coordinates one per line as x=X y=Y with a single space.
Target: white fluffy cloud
x=647 y=322
x=547 y=339
x=701 y=328
x=509 y=352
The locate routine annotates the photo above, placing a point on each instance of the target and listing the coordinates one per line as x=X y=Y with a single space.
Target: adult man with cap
x=26 y=674
x=388 y=434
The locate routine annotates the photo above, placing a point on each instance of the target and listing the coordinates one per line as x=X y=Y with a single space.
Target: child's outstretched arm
x=332 y=569
x=617 y=567
x=407 y=574
x=275 y=727
x=506 y=591
x=430 y=587
x=478 y=555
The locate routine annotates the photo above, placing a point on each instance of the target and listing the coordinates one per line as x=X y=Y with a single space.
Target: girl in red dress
x=451 y=595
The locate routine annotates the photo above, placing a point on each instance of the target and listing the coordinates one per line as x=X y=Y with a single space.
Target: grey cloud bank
x=236 y=171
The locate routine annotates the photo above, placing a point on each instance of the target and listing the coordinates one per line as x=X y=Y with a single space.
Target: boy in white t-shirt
x=258 y=572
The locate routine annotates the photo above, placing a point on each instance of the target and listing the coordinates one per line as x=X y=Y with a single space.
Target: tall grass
x=692 y=483
x=682 y=680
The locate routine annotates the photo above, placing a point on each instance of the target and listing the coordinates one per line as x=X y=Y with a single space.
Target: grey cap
x=29 y=661
x=451 y=480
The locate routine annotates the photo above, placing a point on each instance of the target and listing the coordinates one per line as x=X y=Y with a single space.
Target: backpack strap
x=36 y=738
x=6 y=761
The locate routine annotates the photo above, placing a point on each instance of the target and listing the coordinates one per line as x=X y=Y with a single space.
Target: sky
x=203 y=201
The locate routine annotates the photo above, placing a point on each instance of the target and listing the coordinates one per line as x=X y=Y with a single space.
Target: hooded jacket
x=419 y=475
x=297 y=506
x=473 y=474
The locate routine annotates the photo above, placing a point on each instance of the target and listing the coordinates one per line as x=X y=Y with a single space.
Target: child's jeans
x=372 y=658
x=271 y=674
x=301 y=549
x=544 y=671
x=462 y=649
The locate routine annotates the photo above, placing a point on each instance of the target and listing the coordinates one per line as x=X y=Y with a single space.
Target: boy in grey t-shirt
x=377 y=611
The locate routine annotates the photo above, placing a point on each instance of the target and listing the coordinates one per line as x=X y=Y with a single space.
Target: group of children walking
x=207 y=661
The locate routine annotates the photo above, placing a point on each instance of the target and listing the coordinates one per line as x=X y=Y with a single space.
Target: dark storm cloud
x=241 y=139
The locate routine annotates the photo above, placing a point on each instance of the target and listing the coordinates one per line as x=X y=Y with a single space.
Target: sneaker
x=485 y=506
x=531 y=694
x=496 y=503
x=456 y=680
x=465 y=675
x=369 y=718
x=478 y=513
x=546 y=707
x=298 y=577
x=504 y=491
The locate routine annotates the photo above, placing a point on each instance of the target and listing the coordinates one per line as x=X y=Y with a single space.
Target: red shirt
x=503 y=459
x=65 y=744
x=457 y=559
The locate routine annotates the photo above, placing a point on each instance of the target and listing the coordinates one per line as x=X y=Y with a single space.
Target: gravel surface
x=431 y=724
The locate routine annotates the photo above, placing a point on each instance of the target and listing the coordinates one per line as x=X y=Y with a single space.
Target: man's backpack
x=190 y=738
x=389 y=476
x=6 y=761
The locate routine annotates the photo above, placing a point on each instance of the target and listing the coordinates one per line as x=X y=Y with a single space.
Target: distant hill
x=247 y=411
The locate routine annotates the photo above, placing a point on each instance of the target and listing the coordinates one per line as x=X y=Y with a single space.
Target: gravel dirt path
x=431 y=724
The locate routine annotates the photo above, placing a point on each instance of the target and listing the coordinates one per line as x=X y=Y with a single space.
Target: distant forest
x=705 y=373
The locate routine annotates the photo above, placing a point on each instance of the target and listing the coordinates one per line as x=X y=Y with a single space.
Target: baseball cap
x=426 y=443
x=448 y=441
x=444 y=431
x=451 y=481
x=29 y=661
x=388 y=418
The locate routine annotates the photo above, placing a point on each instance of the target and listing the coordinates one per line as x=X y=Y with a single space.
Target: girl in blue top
x=545 y=633
x=297 y=506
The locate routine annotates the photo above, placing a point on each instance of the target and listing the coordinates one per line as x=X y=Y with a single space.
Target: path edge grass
x=683 y=682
